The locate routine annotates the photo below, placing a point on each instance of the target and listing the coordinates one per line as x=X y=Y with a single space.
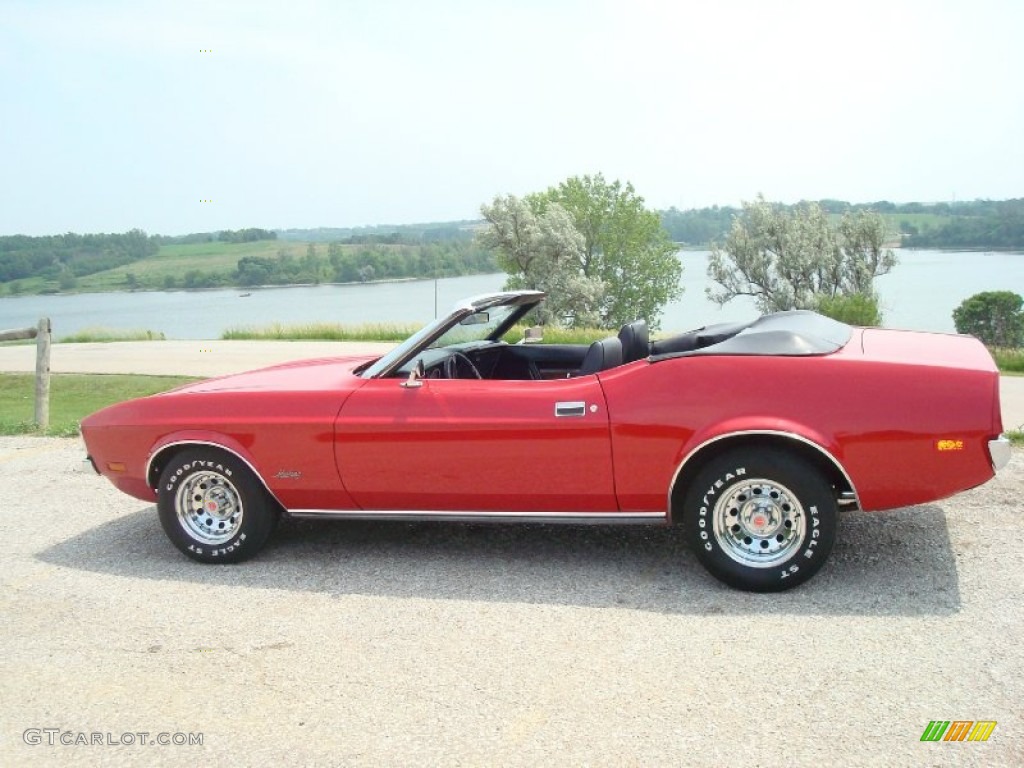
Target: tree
x=255 y=270
x=542 y=251
x=794 y=259
x=995 y=317
x=620 y=266
x=624 y=246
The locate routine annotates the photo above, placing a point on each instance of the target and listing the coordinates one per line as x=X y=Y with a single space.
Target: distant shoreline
x=241 y=289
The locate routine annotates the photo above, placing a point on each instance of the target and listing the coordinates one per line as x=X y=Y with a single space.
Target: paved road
x=362 y=644
x=215 y=358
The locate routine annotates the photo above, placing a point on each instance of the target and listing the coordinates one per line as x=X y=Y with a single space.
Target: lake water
x=920 y=294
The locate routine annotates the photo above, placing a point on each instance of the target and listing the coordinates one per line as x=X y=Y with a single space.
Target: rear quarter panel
x=882 y=420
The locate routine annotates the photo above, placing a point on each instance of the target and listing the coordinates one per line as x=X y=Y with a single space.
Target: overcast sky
x=116 y=115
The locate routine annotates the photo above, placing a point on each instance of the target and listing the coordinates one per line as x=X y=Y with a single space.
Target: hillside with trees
x=62 y=259
x=974 y=225
x=242 y=258
x=134 y=260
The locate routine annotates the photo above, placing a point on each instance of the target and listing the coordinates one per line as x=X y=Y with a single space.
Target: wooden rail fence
x=42 y=334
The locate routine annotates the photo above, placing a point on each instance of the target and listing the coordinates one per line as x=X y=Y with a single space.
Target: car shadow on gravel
x=893 y=563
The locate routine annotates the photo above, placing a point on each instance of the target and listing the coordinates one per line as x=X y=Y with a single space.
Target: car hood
x=332 y=373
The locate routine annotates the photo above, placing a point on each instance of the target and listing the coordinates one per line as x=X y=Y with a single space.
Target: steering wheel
x=451 y=366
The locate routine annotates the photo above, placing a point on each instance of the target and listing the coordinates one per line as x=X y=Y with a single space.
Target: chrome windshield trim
x=611 y=518
x=999 y=451
x=428 y=334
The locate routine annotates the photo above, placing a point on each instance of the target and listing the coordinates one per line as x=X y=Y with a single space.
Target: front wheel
x=213 y=508
x=760 y=520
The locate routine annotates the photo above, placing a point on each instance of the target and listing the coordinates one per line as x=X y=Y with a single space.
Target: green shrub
x=853 y=309
x=995 y=317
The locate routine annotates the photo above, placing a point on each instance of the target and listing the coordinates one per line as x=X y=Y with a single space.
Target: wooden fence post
x=43 y=373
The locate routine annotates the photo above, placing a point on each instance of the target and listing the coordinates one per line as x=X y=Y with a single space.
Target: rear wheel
x=760 y=520
x=213 y=508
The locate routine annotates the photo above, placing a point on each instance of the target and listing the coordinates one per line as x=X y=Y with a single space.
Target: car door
x=477 y=445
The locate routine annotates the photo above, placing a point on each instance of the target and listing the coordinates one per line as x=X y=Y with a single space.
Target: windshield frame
x=521 y=301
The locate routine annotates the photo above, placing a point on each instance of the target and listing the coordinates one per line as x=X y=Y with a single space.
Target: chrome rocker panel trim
x=589 y=518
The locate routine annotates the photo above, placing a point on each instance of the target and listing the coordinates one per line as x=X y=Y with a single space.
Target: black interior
x=797 y=332
x=635 y=341
x=602 y=355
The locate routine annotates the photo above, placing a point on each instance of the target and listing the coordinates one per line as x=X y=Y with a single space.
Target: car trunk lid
x=931 y=349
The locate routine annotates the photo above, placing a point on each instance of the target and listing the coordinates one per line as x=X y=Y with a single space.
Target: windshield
x=475 y=327
x=480 y=319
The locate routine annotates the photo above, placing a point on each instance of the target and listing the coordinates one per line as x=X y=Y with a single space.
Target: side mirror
x=415 y=376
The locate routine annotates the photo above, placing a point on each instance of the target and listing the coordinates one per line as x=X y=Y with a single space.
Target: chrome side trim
x=999 y=451
x=844 y=498
x=610 y=518
x=236 y=454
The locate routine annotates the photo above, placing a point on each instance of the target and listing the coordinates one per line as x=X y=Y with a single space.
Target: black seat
x=602 y=355
x=635 y=341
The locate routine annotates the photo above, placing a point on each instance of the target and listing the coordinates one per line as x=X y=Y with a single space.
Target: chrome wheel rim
x=759 y=523
x=209 y=507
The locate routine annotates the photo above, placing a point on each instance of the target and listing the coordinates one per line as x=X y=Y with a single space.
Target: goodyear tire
x=213 y=508
x=760 y=520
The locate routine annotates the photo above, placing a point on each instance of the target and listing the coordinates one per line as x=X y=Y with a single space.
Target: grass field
x=1009 y=360
x=72 y=398
x=170 y=261
x=321 y=332
x=176 y=260
x=920 y=220
x=101 y=334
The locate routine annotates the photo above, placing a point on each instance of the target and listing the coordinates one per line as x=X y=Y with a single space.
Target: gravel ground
x=401 y=644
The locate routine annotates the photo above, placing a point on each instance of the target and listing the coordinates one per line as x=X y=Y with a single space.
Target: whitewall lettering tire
x=760 y=520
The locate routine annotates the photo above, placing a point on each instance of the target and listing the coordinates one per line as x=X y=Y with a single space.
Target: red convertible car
x=752 y=436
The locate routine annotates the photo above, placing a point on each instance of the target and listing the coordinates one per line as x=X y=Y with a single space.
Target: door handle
x=571 y=408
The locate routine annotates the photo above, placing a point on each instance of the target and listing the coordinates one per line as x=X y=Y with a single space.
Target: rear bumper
x=999 y=452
